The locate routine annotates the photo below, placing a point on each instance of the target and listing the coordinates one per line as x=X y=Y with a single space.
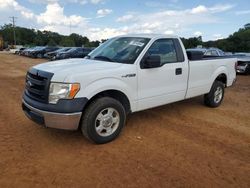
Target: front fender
x=105 y=84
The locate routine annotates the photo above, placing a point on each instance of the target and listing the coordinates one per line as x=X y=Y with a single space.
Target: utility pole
x=70 y=27
x=13 y=20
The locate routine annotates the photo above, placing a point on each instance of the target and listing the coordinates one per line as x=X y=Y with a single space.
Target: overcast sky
x=101 y=19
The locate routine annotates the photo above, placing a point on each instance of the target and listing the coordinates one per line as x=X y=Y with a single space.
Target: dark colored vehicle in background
x=76 y=52
x=52 y=55
x=243 y=66
x=19 y=51
x=26 y=51
x=40 y=51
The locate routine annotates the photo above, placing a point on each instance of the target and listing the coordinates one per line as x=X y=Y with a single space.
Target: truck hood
x=63 y=68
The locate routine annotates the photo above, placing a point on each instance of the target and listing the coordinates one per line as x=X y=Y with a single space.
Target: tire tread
x=209 y=98
x=94 y=105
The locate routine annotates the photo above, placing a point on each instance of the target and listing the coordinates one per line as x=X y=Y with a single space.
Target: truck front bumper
x=66 y=121
x=66 y=114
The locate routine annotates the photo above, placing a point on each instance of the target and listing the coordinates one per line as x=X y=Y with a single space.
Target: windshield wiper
x=103 y=58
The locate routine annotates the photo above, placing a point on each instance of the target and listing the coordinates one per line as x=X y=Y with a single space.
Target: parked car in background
x=243 y=66
x=76 y=52
x=209 y=52
x=39 y=52
x=228 y=53
x=52 y=55
x=19 y=51
x=242 y=54
x=243 y=59
x=27 y=51
x=13 y=50
x=214 y=52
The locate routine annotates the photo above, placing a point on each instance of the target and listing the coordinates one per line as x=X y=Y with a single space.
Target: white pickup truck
x=125 y=74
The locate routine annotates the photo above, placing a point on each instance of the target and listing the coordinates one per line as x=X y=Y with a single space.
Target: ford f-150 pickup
x=125 y=74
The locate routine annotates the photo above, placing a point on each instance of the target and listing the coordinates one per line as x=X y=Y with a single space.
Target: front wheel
x=103 y=120
x=215 y=96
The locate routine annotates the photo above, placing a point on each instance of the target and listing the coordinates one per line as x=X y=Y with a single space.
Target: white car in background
x=215 y=52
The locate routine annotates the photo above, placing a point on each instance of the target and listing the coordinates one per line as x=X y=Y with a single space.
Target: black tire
x=212 y=99
x=90 y=122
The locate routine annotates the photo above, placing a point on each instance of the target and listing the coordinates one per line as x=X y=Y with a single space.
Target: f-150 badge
x=128 y=75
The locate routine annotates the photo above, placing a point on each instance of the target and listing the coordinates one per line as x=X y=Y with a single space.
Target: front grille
x=37 y=85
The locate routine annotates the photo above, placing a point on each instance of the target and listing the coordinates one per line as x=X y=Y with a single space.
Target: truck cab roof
x=150 y=36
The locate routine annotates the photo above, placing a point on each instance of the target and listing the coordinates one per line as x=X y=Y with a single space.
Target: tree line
x=237 y=42
x=32 y=37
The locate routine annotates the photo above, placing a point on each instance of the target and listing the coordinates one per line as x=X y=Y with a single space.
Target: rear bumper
x=66 y=121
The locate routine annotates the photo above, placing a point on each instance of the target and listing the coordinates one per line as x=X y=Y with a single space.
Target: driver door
x=164 y=84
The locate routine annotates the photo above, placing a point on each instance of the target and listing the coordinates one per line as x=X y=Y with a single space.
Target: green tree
x=67 y=42
x=7 y=33
x=192 y=42
x=77 y=39
x=51 y=43
x=237 y=42
x=94 y=43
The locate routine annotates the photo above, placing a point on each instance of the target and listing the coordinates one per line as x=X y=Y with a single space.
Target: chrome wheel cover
x=107 y=122
x=218 y=95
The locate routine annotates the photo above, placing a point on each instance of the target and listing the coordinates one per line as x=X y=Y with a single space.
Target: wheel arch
x=221 y=74
x=222 y=78
x=113 y=93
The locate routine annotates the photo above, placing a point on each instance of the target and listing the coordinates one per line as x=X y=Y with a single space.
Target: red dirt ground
x=184 y=144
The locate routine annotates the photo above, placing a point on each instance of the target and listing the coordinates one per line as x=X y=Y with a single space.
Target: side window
x=86 y=51
x=208 y=52
x=80 y=50
x=164 y=48
x=214 y=53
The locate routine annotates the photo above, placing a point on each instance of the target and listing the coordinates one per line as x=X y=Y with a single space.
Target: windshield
x=72 y=49
x=121 y=50
x=62 y=50
x=39 y=48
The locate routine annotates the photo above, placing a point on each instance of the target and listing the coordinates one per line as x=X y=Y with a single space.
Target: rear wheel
x=215 y=96
x=103 y=120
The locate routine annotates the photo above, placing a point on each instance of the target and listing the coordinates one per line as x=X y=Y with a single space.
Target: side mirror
x=152 y=61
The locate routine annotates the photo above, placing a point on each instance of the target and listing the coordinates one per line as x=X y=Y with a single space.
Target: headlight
x=62 y=91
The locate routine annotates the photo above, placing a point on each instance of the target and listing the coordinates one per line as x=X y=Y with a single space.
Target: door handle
x=178 y=71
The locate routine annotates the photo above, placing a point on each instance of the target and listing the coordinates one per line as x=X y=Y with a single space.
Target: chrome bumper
x=66 y=121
